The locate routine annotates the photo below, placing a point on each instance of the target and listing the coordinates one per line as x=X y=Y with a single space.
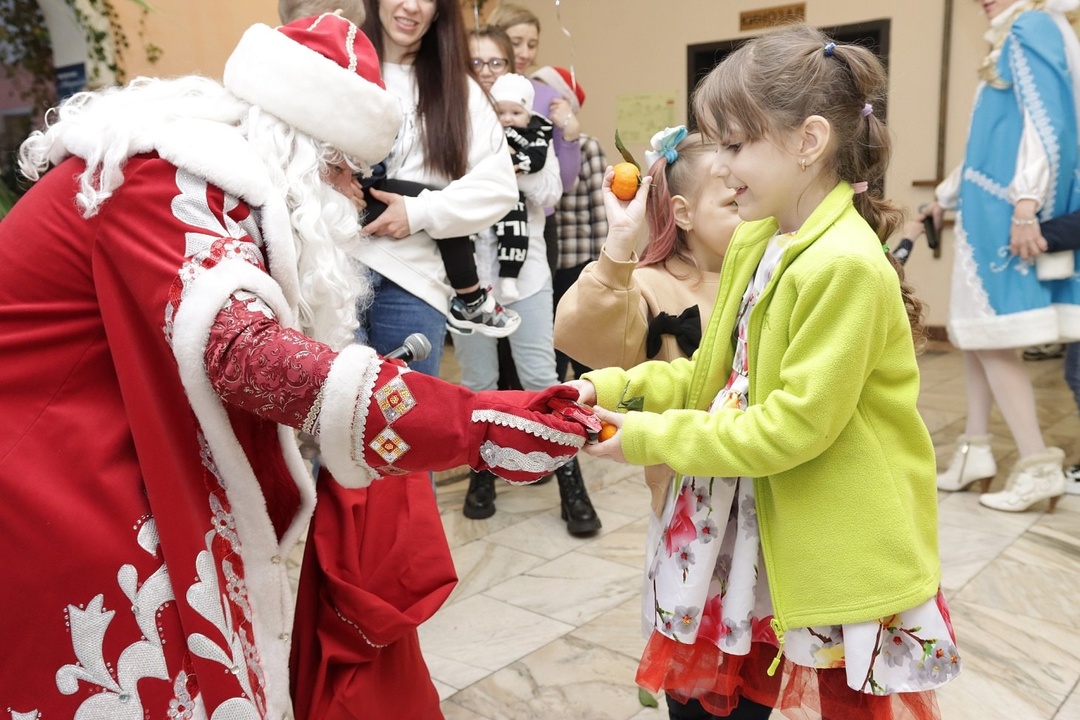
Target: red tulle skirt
x=702 y=671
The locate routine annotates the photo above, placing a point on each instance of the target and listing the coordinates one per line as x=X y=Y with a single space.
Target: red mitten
x=418 y=422
x=521 y=440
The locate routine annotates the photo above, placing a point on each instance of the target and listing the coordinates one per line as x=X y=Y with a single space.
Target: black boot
x=480 y=500
x=577 y=510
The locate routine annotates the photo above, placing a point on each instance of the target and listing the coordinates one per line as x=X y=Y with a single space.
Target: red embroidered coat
x=150 y=387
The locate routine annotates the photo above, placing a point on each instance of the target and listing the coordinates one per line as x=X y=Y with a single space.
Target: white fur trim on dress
x=264 y=557
x=313 y=93
x=346 y=397
x=219 y=154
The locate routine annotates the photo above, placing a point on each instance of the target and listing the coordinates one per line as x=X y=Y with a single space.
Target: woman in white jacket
x=450 y=139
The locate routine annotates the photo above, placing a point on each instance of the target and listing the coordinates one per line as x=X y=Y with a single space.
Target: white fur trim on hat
x=514 y=88
x=313 y=94
x=552 y=77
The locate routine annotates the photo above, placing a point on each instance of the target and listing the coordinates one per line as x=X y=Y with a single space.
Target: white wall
x=620 y=47
x=639 y=46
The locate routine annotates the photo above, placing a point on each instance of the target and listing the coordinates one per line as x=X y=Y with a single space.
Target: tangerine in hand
x=626 y=181
x=607 y=431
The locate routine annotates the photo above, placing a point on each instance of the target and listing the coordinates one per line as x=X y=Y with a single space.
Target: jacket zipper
x=778 y=628
x=754 y=331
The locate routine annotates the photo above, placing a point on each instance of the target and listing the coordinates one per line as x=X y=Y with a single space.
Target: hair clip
x=829 y=48
x=663 y=145
x=860 y=187
x=867 y=109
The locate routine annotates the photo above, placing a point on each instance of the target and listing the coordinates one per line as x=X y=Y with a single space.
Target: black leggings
x=746 y=710
x=457 y=252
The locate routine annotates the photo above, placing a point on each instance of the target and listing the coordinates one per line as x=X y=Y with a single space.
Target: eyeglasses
x=494 y=64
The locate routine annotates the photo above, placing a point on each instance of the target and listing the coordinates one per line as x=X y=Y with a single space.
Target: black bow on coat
x=686 y=328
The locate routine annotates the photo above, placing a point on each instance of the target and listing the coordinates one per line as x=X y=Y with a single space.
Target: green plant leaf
x=626 y=154
x=7 y=198
x=634 y=404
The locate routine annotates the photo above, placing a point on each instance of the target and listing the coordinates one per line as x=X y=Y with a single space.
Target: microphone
x=415 y=347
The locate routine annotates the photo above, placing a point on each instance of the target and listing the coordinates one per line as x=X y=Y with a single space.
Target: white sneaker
x=483 y=315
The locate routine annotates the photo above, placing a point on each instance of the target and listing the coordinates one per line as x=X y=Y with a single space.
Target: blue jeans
x=395 y=313
x=532 y=346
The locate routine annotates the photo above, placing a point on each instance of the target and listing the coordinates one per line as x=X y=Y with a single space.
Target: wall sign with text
x=771 y=17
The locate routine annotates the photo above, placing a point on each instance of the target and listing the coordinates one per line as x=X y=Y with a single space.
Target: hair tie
x=829 y=48
x=867 y=109
x=663 y=145
x=860 y=187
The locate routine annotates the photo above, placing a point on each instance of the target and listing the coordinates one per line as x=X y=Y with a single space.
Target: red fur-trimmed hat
x=564 y=82
x=320 y=75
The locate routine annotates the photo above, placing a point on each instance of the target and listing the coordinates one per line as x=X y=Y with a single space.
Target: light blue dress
x=997 y=301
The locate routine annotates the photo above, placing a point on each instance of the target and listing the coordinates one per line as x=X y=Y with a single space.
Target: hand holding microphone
x=415 y=347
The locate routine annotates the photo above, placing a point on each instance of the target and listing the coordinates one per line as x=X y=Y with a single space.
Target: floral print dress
x=706 y=579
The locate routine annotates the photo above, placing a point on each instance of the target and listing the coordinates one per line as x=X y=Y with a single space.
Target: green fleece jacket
x=843 y=466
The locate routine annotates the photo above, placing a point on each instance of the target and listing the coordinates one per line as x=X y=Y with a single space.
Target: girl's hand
x=612 y=447
x=562 y=114
x=394 y=221
x=626 y=219
x=585 y=389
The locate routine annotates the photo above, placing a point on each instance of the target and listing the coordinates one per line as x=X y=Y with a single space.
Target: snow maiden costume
x=153 y=288
x=1026 y=102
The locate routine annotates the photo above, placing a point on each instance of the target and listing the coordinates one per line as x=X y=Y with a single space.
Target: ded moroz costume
x=174 y=305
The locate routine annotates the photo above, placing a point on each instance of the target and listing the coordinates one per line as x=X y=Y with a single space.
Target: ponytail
x=774 y=82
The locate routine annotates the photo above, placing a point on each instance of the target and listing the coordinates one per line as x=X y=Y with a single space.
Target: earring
x=802 y=164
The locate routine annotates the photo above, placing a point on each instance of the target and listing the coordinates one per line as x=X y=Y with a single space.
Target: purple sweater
x=568 y=153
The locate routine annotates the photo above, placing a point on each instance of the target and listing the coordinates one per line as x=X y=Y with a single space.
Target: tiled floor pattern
x=544 y=625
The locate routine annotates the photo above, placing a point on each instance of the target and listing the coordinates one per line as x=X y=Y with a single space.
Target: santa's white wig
x=107 y=127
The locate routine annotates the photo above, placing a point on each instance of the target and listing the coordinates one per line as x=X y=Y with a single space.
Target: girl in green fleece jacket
x=802 y=525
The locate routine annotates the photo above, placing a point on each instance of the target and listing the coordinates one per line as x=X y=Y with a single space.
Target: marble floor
x=545 y=625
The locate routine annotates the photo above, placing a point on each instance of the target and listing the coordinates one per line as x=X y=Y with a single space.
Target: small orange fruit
x=607 y=431
x=626 y=181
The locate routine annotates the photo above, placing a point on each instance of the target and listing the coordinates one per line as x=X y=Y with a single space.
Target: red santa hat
x=320 y=75
x=564 y=82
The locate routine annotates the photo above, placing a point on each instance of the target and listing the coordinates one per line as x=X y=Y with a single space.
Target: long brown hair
x=441 y=69
x=774 y=82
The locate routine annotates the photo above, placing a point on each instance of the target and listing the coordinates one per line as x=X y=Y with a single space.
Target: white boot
x=972 y=460
x=1034 y=478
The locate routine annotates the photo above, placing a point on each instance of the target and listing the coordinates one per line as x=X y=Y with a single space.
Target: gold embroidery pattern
x=391 y=470
x=389 y=445
x=395 y=399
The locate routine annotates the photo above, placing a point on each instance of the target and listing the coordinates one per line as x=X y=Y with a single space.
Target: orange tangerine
x=626 y=181
x=607 y=431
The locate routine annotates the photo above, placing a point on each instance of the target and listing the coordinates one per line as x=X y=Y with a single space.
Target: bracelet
x=1024 y=221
